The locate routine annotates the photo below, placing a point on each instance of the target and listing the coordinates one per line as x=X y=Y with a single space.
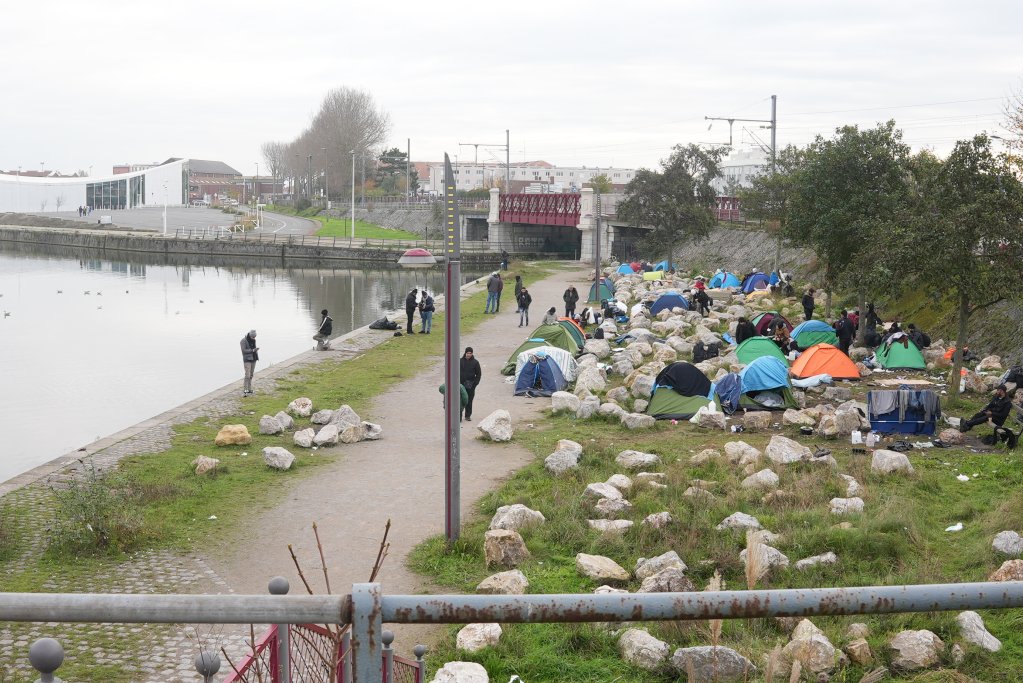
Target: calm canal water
x=90 y=344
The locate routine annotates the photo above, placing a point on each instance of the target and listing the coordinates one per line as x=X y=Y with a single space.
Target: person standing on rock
x=570 y=297
x=845 y=331
x=410 y=309
x=250 y=354
x=808 y=304
x=469 y=374
x=322 y=335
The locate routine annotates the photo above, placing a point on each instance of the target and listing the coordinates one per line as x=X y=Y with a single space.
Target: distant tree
x=60 y=201
x=969 y=237
x=677 y=201
x=42 y=205
x=847 y=194
x=601 y=183
x=390 y=173
x=275 y=158
x=768 y=195
x=1014 y=122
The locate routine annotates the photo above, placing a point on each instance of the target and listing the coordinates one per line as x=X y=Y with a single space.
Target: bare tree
x=60 y=202
x=276 y=161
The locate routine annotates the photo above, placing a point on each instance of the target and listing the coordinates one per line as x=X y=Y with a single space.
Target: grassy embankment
x=899 y=539
x=155 y=501
x=342 y=227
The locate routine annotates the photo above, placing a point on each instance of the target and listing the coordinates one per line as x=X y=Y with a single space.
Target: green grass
x=900 y=539
x=342 y=227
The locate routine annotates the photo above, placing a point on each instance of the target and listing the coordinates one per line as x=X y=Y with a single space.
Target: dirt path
x=400 y=477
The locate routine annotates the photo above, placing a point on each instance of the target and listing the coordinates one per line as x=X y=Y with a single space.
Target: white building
x=166 y=183
x=739 y=168
x=569 y=178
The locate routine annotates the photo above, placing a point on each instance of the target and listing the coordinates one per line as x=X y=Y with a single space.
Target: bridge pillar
x=587 y=225
x=498 y=233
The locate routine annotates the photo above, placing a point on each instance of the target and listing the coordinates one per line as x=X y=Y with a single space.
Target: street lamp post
x=353 y=194
x=452 y=320
x=326 y=185
x=309 y=175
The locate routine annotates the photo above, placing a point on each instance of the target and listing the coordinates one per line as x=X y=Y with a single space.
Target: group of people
x=84 y=211
x=422 y=301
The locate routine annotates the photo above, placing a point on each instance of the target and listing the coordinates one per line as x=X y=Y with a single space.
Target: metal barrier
x=366 y=609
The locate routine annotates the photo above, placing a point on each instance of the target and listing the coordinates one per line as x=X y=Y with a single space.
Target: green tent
x=901 y=354
x=606 y=291
x=545 y=335
x=755 y=347
x=668 y=404
x=573 y=330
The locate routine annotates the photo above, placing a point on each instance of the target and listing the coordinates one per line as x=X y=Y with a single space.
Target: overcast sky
x=98 y=82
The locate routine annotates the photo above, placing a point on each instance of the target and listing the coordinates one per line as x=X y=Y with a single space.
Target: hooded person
x=744 y=330
x=322 y=336
x=410 y=308
x=469 y=374
x=551 y=318
x=808 y=304
x=250 y=354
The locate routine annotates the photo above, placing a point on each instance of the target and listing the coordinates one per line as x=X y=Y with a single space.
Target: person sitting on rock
x=997 y=410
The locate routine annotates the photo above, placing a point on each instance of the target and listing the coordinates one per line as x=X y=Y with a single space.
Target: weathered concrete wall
x=740 y=251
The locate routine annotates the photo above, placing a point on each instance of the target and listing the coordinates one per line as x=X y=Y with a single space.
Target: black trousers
x=411 y=314
x=807 y=313
x=471 y=390
x=978 y=419
x=844 y=344
x=569 y=310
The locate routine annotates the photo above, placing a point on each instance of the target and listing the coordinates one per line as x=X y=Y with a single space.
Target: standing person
x=571 y=297
x=504 y=259
x=703 y=300
x=744 y=330
x=500 y=288
x=845 y=331
x=410 y=309
x=426 y=309
x=250 y=354
x=524 y=299
x=808 y=304
x=469 y=374
x=322 y=335
x=518 y=288
x=871 y=316
x=493 y=291
x=552 y=316
x=463 y=398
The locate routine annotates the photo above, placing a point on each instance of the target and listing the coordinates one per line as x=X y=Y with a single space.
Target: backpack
x=702 y=352
x=599 y=334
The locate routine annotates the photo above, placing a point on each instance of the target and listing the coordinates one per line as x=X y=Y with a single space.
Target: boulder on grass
x=304 y=437
x=278 y=458
x=351 y=433
x=641 y=649
x=345 y=416
x=756 y=421
x=233 y=435
x=327 y=436
x=511 y=582
x=634 y=460
x=322 y=417
x=301 y=407
x=286 y=421
x=461 y=672
x=709 y=664
x=476 y=637
x=764 y=479
x=600 y=568
x=669 y=580
x=971 y=627
x=516 y=517
x=888 y=462
x=503 y=548
x=564 y=402
x=497 y=426
x=204 y=464
x=1008 y=543
x=637 y=421
x=739 y=520
x=914 y=650
x=1011 y=570
x=268 y=424
x=784 y=451
x=646 y=567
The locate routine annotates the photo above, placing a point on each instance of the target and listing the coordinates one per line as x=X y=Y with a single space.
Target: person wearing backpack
x=322 y=335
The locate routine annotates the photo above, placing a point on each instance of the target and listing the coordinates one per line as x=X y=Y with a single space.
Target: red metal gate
x=540 y=209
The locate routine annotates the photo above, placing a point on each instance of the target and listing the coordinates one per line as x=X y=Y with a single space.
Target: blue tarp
x=729 y=391
x=669 y=300
x=775 y=278
x=763 y=374
x=722 y=280
x=753 y=280
x=542 y=378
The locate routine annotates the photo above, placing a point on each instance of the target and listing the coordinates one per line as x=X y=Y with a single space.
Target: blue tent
x=728 y=389
x=664 y=265
x=667 y=301
x=624 y=269
x=724 y=279
x=540 y=378
x=755 y=281
x=811 y=332
x=765 y=385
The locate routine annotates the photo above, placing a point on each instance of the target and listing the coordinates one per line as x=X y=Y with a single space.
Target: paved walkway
x=399 y=477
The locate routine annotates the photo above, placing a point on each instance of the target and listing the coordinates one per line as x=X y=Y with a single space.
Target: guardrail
x=367 y=609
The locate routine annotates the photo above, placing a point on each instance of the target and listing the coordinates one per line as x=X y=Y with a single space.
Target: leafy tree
x=600 y=183
x=848 y=194
x=677 y=201
x=768 y=195
x=968 y=239
x=390 y=173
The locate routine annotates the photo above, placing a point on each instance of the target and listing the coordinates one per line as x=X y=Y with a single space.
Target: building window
x=618 y=175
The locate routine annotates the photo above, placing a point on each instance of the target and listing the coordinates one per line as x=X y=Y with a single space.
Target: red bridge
x=540 y=209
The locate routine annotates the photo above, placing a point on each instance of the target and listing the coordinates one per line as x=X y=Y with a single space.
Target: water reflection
x=96 y=342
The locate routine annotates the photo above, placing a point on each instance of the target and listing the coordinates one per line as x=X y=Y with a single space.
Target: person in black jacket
x=322 y=335
x=570 y=297
x=997 y=410
x=845 y=331
x=808 y=304
x=518 y=288
x=744 y=330
x=469 y=373
x=410 y=309
x=524 y=299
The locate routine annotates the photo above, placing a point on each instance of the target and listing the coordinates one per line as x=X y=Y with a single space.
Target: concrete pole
x=353 y=194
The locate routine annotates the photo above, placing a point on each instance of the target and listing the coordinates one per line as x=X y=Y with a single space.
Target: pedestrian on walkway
x=463 y=398
x=500 y=288
x=410 y=309
x=426 y=309
x=322 y=335
x=250 y=354
x=524 y=298
x=494 y=286
x=504 y=259
x=570 y=297
x=469 y=373
x=518 y=288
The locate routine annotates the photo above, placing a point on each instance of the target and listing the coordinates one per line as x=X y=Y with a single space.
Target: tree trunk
x=861 y=330
x=777 y=254
x=957 y=358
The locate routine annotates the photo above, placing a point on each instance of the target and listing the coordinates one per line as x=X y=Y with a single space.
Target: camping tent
x=755 y=347
x=762 y=320
x=573 y=329
x=625 y=269
x=545 y=335
x=540 y=376
x=680 y=390
x=900 y=354
x=607 y=290
x=667 y=301
x=755 y=281
x=724 y=279
x=811 y=332
x=664 y=265
x=566 y=361
x=824 y=359
x=653 y=276
x=765 y=385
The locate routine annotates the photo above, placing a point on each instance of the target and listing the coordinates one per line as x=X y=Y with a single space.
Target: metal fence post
x=280 y=586
x=420 y=651
x=346 y=652
x=387 y=637
x=366 y=636
x=46 y=655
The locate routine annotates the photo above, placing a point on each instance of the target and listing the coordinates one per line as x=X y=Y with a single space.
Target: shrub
x=302 y=204
x=97 y=514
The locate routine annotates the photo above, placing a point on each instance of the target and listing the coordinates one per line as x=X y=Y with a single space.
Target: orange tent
x=824 y=359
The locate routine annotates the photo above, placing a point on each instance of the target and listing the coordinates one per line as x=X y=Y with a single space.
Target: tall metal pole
x=353 y=194
x=774 y=156
x=596 y=247
x=362 y=189
x=326 y=185
x=507 y=160
x=452 y=320
x=408 y=171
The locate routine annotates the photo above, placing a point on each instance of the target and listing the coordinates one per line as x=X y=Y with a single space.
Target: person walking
x=426 y=309
x=808 y=304
x=518 y=288
x=494 y=286
x=322 y=335
x=524 y=299
x=250 y=354
x=410 y=309
x=504 y=259
x=469 y=374
x=463 y=398
x=570 y=297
